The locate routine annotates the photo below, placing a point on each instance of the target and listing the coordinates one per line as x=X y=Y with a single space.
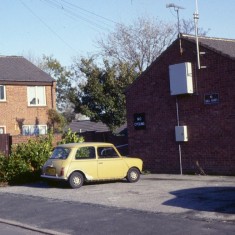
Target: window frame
x=4 y=129
x=4 y=93
x=33 y=130
x=36 y=96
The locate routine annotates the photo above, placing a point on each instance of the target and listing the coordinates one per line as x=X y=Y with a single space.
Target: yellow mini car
x=79 y=162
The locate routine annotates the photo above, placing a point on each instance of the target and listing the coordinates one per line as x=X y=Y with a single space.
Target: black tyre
x=133 y=175
x=76 y=180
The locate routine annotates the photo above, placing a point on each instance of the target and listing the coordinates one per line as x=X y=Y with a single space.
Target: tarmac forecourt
x=195 y=196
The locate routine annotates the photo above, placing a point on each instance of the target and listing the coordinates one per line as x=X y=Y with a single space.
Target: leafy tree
x=56 y=121
x=102 y=97
x=63 y=78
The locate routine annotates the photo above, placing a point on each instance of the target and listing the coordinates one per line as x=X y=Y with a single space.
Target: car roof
x=83 y=144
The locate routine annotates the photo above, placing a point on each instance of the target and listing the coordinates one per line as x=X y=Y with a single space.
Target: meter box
x=181 y=81
x=181 y=134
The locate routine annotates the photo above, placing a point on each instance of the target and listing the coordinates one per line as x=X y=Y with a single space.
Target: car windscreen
x=60 y=153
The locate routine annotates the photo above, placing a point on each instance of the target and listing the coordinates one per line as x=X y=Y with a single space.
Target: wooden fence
x=5 y=144
x=121 y=142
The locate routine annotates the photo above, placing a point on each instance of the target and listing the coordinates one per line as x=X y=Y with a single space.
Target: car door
x=110 y=164
x=84 y=160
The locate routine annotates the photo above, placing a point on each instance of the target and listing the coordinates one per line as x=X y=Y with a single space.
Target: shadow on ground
x=212 y=199
x=58 y=184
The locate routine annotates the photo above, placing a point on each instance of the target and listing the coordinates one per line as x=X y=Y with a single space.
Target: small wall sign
x=139 y=121
x=211 y=99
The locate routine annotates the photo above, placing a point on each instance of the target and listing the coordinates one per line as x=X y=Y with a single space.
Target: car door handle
x=100 y=162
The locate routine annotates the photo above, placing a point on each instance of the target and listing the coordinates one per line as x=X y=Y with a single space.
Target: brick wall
x=15 y=111
x=17 y=139
x=6 y=141
x=210 y=127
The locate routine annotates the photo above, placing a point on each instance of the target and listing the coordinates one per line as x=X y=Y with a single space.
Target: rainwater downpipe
x=178 y=123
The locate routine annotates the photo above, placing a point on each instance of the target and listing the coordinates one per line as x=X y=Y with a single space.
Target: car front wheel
x=133 y=175
x=76 y=180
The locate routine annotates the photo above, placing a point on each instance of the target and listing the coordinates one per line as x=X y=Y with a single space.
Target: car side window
x=107 y=152
x=85 y=153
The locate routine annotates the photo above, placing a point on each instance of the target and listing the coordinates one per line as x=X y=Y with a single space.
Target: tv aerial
x=176 y=9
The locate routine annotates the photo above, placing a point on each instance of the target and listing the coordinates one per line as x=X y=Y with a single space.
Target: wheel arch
x=134 y=167
x=79 y=171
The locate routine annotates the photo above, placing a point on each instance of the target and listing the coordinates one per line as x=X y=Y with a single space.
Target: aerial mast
x=196 y=18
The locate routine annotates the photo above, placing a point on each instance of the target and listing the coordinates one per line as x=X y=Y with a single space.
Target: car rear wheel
x=76 y=180
x=133 y=175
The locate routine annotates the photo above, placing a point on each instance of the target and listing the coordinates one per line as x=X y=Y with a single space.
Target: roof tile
x=18 y=69
x=220 y=45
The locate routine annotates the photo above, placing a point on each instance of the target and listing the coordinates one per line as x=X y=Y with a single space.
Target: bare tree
x=188 y=27
x=140 y=43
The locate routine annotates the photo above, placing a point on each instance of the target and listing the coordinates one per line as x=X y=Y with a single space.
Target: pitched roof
x=87 y=125
x=223 y=46
x=18 y=69
x=220 y=45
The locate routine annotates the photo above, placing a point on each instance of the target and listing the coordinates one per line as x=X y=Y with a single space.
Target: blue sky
x=69 y=28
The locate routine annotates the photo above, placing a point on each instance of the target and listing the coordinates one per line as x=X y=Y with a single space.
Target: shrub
x=3 y=167
x=26 y=159
x=71 y=137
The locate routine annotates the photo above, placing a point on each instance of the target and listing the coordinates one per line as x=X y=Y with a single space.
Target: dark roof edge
x=183 y=35
x=192 y=37
x=151 y=65
x=29 y=83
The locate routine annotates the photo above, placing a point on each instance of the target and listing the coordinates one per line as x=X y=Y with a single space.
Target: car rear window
x=60 y=153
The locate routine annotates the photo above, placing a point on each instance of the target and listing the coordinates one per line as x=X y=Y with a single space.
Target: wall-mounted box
x=181 y=81
x=181 y=133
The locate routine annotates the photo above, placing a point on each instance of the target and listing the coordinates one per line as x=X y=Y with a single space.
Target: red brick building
x=182 y=118
x=26 y=94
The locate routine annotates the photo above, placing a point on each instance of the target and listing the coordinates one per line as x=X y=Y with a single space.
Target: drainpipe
x=52 y=95
x=178 y=123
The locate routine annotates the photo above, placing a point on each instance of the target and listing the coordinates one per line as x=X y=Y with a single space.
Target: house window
x=2 y=130
x=36 y=96
x=34 y=129
x=2 y=93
